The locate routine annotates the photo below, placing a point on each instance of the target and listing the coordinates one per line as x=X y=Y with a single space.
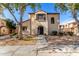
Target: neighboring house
x=70 y=27
x=40 y=23
x=3 y=28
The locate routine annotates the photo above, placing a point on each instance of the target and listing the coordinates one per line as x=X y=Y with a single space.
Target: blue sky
x=48 y=7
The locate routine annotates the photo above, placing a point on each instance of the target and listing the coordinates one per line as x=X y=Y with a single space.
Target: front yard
x=63 y=40
x=38 y=46
x=15 y=41
x=51 y=40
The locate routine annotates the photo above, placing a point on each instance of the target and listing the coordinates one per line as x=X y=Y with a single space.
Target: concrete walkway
x=40 y=49
x=59 y=50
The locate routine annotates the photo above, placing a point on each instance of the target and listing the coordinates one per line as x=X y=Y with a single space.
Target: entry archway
x=40 y=30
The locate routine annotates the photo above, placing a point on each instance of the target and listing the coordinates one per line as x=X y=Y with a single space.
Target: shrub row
x=54 y=33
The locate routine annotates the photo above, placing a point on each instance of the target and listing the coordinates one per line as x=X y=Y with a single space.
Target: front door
x=40 y=30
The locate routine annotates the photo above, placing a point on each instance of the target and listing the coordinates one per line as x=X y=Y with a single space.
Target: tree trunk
x=20 y=32
x=20 y=24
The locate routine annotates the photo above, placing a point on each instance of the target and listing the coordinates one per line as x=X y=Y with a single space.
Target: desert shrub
x=28 y=38
x=70 y=33
x=54 y=33
x=61 y=33
x=13 y=34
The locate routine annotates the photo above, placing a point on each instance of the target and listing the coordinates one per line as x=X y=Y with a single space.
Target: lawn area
x=25 y=41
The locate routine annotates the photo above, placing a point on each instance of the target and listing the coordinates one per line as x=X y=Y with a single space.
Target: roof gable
x=41 y=11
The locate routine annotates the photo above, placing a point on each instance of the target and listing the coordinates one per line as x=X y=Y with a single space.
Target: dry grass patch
x=25 y=41
x=63 y=40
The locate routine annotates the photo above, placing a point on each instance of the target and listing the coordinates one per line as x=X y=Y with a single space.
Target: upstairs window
x=40 y=16
x=52 y=20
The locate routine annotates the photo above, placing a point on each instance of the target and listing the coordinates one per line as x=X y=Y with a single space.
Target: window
x=52 y=20
x=24 y=28
x=40 y=16
x=2 y=23
x=3 y=30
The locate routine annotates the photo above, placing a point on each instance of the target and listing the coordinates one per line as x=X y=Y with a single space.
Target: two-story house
x=41 y=22
x=70 y=27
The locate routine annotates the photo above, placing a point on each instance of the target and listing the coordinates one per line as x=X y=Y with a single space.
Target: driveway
x=41 y=48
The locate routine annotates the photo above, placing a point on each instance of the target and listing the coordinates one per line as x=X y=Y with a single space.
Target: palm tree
x=21 y=8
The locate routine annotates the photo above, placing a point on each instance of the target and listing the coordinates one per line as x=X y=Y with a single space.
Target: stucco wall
x=26 y=24
x=4 y=30
x=48 y=27
x=2 y=22
x=35 y=23
x=55 y=26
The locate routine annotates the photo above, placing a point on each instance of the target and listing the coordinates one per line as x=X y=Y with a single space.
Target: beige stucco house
x=41 y=23
x=70 y=27
x=3 y=28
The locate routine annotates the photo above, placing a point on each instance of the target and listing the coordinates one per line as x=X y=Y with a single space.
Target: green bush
x=54 y=33
x=70 y=33
x=61 y=33
x=13 y=34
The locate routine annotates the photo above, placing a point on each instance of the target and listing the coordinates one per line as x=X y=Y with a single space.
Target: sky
x=48 y=7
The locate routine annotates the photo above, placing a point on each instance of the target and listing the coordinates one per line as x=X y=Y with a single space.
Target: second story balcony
x=41 y=17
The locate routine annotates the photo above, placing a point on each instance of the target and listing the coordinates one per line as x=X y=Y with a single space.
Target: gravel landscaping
x=63 y=40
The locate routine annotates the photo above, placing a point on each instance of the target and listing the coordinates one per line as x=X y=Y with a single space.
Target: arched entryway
x=40 y=30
